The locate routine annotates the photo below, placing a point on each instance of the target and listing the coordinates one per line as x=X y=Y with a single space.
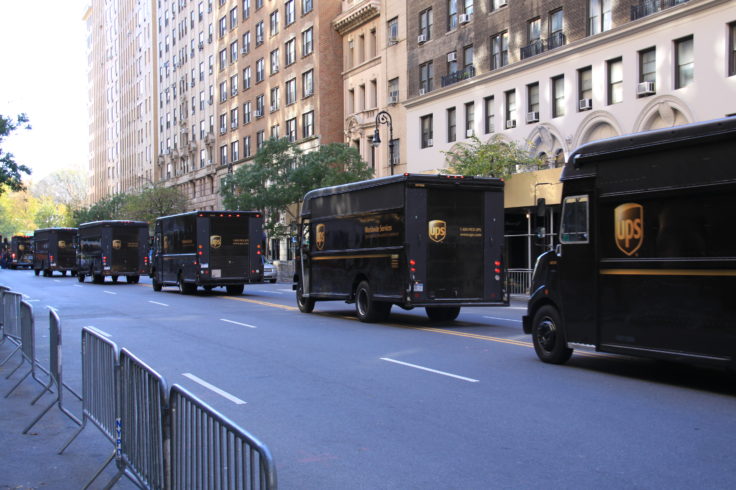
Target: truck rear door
x=229 y=244
x=125 y=249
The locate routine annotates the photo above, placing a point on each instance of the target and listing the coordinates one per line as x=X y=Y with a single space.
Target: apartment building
x=121 y=95
x=186 y=103
x=555 y=74
x=375 y=82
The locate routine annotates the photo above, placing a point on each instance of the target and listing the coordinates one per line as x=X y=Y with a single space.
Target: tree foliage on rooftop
x=10 y=170
x=495 y=158
x=281 y=174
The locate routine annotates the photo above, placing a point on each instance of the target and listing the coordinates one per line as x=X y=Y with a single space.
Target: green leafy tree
x=51 y=214
x=10 y=170
x=496 y=158
x=281 y=174
x=17 y=213
x=154 y=201
x=66 y=186
x=109 y=207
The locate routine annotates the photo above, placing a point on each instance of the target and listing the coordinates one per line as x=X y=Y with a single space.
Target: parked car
x=270 y=274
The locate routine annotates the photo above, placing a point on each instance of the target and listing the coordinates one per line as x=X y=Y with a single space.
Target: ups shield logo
x=62 y=244
x=437 y=230
x=215 y=241
x=321 y=238
x=116 y=244
x=629 y=223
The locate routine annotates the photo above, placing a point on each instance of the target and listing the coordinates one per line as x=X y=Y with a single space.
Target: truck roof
x=40 y=230
x=647 y=141
x=110 y=222
x=211 y=213
x=407 y=177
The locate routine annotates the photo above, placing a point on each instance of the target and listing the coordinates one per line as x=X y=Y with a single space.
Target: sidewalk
x=31 y=461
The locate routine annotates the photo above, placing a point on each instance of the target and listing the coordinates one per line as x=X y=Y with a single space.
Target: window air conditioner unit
x=244 y=51
x=464 y=18
x=421 y=39
x=510 y=123
x=259 y=113
x=393 y=99
x=585 y=104
x=451 y=57
x=532 y=117
x=430 y=142
x=422 y=91
x=645 y=88
x=469 y=133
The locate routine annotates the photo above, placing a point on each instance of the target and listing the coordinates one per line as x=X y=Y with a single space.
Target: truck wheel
x=37 y=271
x=548 y=336
x=442 y=314
x=115 y=279
x=185 y=287
x=80 y=277
x=306 y=305
x=132 y=279
x=98 y=278
x=234 y=289
x=156 y=285
x=368 y=310
x=47 y=273
x=63 y=273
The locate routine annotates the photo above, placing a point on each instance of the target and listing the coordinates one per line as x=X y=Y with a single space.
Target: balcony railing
x=556 y=40
x=649 y=7
x=458 y=76
x=532 y=49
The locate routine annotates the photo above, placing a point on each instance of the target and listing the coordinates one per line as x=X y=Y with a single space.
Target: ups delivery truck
x=432 y=241
x=112 y=248
x=646 y=264
x=21 y=251
x=209 y=249
x=53 y=250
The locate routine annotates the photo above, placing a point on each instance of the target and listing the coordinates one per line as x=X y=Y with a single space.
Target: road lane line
x=443 y=373
x=269 y=292
x=77 y=285
x=237 y=323
x=108 y=292
x=157 y=303
x=264 y=303
x=97 y=330
x=214 y=388
x=286 y=290
x=499 y=318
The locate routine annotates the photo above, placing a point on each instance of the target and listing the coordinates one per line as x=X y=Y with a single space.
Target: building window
x=260 y=70
x=222 y=27
x=290 y=91
x=426 y=76
x=556 y=26
x=599 y=16
x=468 y=7
x=451 y=125
x=615 y=74
x=235 y=150
x=469 y=119
x=558 y=96
x=451 y=14
x=425 y=24
x=497 y=4
x=451 y=62
x=246 y=9
x=290 y=52
x=274 y=61
x=499 y=50
x=392 y=30
x=468 y=57
x=291 y=129
x=489 y=114
x=274 y=23
x=223 y=91
x=260 y=106
x=233 y=51
x=585 y=89
x=289 y=12
x=426 y=127
x=275 y=132
x=246 y=43
x=308 y=83
x=246 y=146
x=511 y=109
x=246 y=113
x=306 y=6
x=234 y=85
x=684 y=62
x=532 y=102
x=246 y=78
x=732 y=49
x=233 y=18
x=647 y=72
x=307 y=42
x=223 y=59
x=259 y=33
x=223 y=155
x=393 y=91
x=275 y=99
x=260 y=138
x=308 y=124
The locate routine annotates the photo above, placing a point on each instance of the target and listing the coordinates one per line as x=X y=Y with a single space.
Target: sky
x=43 y=72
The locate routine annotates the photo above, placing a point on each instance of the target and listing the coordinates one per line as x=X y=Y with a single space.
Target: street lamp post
x=384 y=117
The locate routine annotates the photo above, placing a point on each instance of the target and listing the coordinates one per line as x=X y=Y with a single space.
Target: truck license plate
x=216 y=273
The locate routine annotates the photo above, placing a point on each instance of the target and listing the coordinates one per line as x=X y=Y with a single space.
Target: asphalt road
x=408 y=404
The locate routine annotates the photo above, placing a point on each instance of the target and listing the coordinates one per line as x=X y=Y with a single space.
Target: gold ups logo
x=117 y=244
x=321 y=238
x=437 y=230
x=215 y=241
x=629 y=223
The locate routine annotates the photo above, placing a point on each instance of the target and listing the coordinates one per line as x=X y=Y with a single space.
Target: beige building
x=374 y=79
x=186 y=102
x=122 y=91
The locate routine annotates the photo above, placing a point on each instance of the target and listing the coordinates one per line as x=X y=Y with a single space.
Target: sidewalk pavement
x=31 y=461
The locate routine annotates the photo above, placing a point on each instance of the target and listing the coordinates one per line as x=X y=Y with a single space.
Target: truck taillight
x=412 y=263
x=104 y=260
x=51 y=258
x=497 y=269
x=145 y=260
x=12 y=256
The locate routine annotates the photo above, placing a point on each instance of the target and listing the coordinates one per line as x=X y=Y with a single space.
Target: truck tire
x=132 y=279
x=155 y=284
x=37 y=271
x=80 y=277
x=98 y=278
x=549 y=337
x=235 y=289
x=442 y=314
x=306 y=305
x=369 y=310
x=185 y=287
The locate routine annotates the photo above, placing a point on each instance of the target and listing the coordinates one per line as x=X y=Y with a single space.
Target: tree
x=17 y=213
x=281 y=174
x=68 y=187
x=10 y=171
x=154 y=201
x=496 y=158
x=109 y=207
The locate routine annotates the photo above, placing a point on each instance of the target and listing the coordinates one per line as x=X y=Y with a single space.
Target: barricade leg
x=102 y=468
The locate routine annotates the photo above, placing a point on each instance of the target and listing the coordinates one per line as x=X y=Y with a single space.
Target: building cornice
x=357 y=16
x=585 y=44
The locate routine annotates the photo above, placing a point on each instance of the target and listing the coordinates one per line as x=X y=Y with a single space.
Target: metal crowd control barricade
x=55 y=373
x=2 y=313
x=210 y=451
x=11 y=321
x=28 y=347
x=100 y=390
x=143 y=447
